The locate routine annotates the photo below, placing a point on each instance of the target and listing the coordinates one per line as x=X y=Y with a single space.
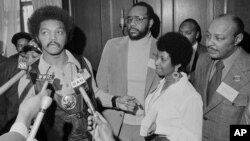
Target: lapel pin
x=236 y=78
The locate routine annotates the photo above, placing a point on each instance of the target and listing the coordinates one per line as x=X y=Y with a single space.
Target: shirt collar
x=43 y=65
x=195 y=46
x=72 y=59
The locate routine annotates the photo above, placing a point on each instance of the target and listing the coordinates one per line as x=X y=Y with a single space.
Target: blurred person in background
x=20 y=39
x=191 y=29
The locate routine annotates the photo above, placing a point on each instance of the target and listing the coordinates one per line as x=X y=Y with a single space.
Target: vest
x=61 y=124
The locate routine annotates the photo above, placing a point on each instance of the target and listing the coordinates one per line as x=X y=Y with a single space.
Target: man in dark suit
x=222 y=77
x=191 y=29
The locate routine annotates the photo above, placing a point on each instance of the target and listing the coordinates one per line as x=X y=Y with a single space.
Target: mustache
x=133 y=29
x=211 y=47
x=53 y=42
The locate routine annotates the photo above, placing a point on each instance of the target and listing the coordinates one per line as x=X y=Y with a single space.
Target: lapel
x=151 y=73
x=123 y=61
x=217 y=98
x=193 y=63
x=204 y=77
x=200 y=49
x=238 y=69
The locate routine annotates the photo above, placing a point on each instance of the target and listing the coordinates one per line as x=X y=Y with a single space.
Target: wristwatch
x=113 y=101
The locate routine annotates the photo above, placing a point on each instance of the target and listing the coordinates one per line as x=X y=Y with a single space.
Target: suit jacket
x=221 y=112
x=2 y=58
x=12 y=136
x=112 y=75
x=200 y=49
x=15 y=56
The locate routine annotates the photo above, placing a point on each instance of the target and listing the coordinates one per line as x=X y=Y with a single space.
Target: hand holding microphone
x=100 y=128
x=26 y=114
x=45 y=103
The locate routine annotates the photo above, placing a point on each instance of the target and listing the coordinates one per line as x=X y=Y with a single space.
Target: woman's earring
x=176 y=75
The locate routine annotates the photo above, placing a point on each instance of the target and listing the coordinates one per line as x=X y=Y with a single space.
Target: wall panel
x=240 y=8
x=196 y=9
x=87 y=17
x=100 y=19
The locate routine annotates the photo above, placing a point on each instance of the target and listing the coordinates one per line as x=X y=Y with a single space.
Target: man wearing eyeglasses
x=127 y=73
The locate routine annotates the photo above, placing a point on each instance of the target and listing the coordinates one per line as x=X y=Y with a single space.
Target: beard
x=140 y=35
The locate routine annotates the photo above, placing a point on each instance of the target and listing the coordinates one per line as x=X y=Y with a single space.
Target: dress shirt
x=177 y=111
x=228 y=62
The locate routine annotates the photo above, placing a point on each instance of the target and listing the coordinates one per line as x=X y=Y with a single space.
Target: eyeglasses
x=138 y=19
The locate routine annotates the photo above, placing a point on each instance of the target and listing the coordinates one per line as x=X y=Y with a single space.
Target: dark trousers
x=156 y=137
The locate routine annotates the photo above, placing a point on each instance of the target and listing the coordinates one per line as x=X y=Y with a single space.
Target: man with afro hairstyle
x=66 y=119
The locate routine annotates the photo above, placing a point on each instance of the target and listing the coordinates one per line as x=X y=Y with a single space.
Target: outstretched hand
x=127 y=103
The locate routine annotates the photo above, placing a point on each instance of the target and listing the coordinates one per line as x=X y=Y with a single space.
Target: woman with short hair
x=174 y=109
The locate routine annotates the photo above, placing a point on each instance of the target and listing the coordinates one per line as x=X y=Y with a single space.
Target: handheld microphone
x=78 y=85
x=21 y=65
x=46 y=102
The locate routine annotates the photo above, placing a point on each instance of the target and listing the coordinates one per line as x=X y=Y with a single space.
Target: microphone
x=24 y=68
x=78 y=85
x=46 y=102
x=122 y=22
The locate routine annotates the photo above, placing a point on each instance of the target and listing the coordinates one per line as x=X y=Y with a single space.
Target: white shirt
x=195 y=46
x=177 y=111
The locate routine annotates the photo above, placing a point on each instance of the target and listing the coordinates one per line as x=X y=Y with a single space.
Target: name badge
x=151 y=63
x=227 y=91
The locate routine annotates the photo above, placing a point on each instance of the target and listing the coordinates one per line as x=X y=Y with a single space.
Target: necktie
x=215 y=81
